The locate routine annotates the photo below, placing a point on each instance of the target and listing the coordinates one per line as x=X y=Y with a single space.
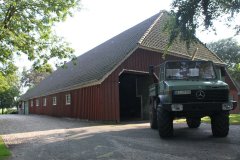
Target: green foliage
x=26 y=28
x=9 y=86
x=8 y=97
x=235 y=72
x=229 y=51
x=4 y=152
x=11 y=111
x=32 y=77
x=3 y=83
x=190 y=14
x=234 y=119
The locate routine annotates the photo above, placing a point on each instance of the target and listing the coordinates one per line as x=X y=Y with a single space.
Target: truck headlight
x=177 y=107
x=227 y=106
x=182 y=92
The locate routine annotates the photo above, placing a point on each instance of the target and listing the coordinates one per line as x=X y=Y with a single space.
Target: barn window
x=54 y=101
x=68 y=99
x=31 y=103
x=37 y=102
x=44 y=101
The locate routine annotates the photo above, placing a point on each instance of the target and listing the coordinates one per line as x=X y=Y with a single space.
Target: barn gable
x=156 y=39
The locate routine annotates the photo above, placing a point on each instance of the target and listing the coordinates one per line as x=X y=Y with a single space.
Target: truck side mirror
x=151 y=69
x=223 y=71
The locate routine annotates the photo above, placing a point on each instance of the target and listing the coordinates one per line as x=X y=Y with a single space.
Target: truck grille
x=210 y=96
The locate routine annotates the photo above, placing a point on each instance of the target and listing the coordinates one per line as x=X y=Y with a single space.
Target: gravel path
x=42 y=137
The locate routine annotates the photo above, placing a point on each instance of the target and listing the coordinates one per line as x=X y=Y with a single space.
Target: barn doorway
x=133 y=95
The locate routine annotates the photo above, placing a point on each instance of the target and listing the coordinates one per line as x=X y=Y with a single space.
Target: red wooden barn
x=110 y=82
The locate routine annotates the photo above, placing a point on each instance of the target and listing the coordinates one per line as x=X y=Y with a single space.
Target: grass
x=4 y=152
x=9 y=110
x=234 y=119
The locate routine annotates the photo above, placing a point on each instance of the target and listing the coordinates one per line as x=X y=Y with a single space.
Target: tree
x=235 y=72
x=8 y=98
x=229 y=51
x=33 y=76
x=188 y=15
x=26 y=28
x=9 y=87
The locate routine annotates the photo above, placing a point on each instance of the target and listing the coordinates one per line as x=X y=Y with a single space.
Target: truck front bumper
x=200 y=107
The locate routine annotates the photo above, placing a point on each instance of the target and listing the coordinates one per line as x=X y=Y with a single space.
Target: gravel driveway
x=48 y=138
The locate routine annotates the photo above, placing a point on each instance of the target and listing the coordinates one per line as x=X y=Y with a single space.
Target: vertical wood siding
x=84 y=104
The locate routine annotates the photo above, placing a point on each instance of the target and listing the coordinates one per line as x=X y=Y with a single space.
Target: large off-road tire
x=165 y=123
x=220 y=124
x=153 y=116
x=193 y=122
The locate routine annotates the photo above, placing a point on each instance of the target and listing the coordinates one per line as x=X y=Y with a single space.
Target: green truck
x=189 y=89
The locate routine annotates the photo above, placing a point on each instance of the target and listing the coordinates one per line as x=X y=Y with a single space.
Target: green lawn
x=4 y=152
x=234 y=119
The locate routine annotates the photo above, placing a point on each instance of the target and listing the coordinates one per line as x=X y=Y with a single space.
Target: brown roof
x=95 y=65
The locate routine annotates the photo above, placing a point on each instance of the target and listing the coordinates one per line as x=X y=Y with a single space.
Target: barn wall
x=84 y=104
x=139 y=61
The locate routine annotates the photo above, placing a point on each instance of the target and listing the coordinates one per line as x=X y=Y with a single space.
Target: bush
x=11 y=111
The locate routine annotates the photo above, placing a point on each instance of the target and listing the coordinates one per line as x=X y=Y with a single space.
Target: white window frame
x=68 y=99
x=54 y=101
x=37 y=102
x=31 y=103
x=45 y=102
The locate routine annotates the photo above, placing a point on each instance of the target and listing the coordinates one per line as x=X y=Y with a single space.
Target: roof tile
x=158 y=39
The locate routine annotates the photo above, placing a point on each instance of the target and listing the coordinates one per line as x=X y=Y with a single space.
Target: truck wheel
x=165 y=123
x=193 y=122
x=220 y=124
x=153 y=116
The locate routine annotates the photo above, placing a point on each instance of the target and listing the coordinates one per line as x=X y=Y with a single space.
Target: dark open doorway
x=133 y=92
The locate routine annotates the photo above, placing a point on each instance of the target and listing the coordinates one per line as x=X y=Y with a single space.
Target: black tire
x=193 y=122
x=153 y=115
x=165 y=123
x=220 y=124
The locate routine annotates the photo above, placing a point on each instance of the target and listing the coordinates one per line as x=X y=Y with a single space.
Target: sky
x=100 y=20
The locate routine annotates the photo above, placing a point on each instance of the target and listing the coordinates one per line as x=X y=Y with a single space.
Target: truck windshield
x=189 y=70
